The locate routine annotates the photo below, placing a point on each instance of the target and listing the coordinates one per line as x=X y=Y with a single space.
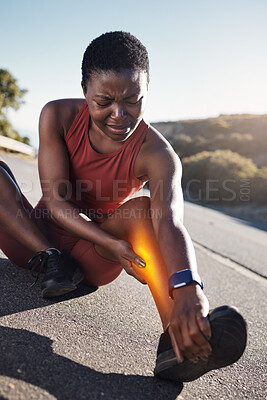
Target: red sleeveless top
x=100 y=183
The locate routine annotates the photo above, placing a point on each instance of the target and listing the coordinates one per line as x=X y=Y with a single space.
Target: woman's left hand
x=189 y=327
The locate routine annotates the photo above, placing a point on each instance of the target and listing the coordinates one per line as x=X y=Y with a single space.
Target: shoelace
x=42 y=256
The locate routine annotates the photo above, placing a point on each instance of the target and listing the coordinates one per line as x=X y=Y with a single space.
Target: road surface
x=102 y=345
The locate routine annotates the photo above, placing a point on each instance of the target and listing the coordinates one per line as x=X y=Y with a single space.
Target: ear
x=84 y=89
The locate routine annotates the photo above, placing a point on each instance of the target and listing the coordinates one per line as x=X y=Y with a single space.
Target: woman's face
x=116 y=102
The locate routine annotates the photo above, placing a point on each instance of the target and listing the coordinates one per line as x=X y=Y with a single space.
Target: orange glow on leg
x=155 y=273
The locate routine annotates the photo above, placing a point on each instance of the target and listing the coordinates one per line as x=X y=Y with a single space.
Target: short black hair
x=114 y=51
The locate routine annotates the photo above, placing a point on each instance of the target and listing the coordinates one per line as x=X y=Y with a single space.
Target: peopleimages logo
x=245 y=189
x=62 y=190
x=100 y=191
x=227 y=190
x=210 y=190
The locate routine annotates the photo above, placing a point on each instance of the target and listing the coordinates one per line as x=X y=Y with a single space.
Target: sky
x=207 y=57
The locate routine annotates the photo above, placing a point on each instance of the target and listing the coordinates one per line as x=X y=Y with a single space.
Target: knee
x=2 y=171
x=139 y=203
x=4 y=168
x=138 y=208
x=3 y=164
x=8 y=182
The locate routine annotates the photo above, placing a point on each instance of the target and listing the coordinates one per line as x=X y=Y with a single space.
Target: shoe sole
x=228 y=342
x=58 y=289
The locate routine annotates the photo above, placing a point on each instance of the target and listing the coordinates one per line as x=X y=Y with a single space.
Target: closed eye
x=103 y=104
x=135 y=102
x=108 y=103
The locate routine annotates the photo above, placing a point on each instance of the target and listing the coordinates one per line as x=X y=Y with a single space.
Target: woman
x=94 y=155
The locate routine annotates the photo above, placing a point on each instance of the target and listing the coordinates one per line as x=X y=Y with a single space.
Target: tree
x=11 y=96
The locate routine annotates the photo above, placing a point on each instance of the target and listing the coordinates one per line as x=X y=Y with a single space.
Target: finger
x=136 y=276
x=190 y=331
x=129 y=269
x=175 y=346
x=139 y=262
x=135 y=259
x=204 y=325
x=201 y=346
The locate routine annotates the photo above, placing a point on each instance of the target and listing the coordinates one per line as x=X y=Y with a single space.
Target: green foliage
x=11 y=96
x=217 y=125
x=223 y=176
x=6 y=129
x=26 y=140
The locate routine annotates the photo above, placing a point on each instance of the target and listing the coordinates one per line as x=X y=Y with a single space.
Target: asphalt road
x=233 y=238
x=102 y=345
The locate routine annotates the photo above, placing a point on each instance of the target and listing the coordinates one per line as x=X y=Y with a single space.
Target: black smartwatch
x=183 y=278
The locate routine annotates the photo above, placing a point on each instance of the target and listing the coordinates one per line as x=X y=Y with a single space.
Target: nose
x=118 y=112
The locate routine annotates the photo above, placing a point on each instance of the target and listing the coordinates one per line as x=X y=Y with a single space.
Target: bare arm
x=53 y=164
x=164 y=173
x=189 y=326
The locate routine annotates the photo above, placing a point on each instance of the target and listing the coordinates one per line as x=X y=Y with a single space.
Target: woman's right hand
x=124 y=253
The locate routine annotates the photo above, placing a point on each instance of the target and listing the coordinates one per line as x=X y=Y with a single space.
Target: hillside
x=224 y=162
x=245 y=134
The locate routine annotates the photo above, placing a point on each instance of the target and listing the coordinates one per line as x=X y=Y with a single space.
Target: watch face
x=183 y=278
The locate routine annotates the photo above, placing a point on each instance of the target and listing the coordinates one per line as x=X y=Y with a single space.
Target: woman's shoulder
x=155 y=142
x=61 y=113
x=154 y=153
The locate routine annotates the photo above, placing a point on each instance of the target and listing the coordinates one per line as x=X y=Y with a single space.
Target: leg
x=97 y=270
x=21 y=235
x=132 y=222
x=14 y=217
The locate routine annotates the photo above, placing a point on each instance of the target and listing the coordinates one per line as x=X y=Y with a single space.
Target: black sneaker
x=228 y=342
x=62 y=273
